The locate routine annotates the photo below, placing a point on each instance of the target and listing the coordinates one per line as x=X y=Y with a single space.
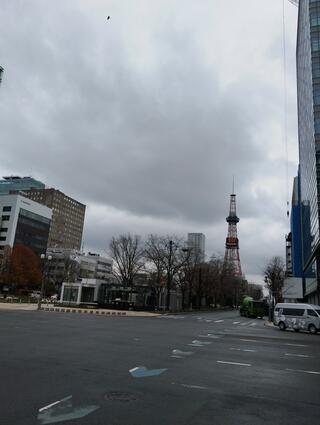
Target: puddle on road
x=63 y=410
x=143 y=372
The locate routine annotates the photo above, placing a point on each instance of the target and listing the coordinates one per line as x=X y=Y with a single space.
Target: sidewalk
x=50 y=308
x=18 y=306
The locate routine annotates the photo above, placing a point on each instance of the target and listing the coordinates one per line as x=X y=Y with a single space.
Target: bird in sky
x=108 y=17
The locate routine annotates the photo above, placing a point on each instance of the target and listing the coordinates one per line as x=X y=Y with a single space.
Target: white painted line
x=296 y=345
x=196 y=387
x=235 y=323
x=233 y=363
x=53 y=404
x=245 y=323
x=312 y=372
x=253 y=324
x=135 y=368
x=248 y=340
x=244 y=349
x=218 y=321
x=296 y=355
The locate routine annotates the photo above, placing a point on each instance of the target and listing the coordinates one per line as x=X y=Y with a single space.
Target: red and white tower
x=232 y=257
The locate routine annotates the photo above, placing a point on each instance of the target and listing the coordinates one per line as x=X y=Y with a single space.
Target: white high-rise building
x=196 y=242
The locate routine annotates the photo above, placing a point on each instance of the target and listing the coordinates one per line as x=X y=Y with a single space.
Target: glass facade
x=308 y=87
x=15 y=183
x=33 y=231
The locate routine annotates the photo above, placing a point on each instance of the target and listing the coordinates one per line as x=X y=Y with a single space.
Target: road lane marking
x=55 y=403
x=235 y=323
x=195 y=387
x=311 y=372
x=296 y=345
x=210 y=336
x=233 y=363
x=248 y=340
x=177 y=352
x=253 y=324
x=218 y=321
x=243 y=349
x=63 y=410
x=296 y=355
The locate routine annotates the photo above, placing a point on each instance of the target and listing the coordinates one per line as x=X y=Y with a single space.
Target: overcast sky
x=146 y=117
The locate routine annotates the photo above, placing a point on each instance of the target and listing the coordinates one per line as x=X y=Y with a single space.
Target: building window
x=7 y=209
x=2 y=238
x=5 y=217
x=4 y=229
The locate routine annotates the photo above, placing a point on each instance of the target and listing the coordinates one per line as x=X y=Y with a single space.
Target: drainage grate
x=120 y=396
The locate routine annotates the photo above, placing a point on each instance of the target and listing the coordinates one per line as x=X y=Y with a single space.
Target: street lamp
x=44 y=259
x=1 y=72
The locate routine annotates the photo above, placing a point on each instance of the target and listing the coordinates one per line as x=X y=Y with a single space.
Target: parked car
x=297 y=317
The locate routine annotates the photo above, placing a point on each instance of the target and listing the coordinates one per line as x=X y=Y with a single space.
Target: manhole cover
x=120 y=396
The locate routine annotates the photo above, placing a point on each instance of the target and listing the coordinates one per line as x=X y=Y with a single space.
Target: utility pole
x=169 y=277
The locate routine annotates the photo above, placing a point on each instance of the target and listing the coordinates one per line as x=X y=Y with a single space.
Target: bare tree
x=168 y=256
x=274 y=278
x=128 y=254
x=254 y=291
x=154 y=256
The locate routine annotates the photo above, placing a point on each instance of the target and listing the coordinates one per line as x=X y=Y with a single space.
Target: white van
x=297 y=316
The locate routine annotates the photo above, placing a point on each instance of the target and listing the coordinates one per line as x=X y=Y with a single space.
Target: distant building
x=16 y=183
x=88 y=266
x=67 y=217
x=24 y=222
x=196 y=242
x=95 y=273
x=295 y=225
x=292 y=290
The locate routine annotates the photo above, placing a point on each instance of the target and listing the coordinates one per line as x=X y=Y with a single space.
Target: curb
x=84 y=311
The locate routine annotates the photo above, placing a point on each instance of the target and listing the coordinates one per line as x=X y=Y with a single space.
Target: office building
x=67 y=217
x=24 y=222
x=295 y=227
x=196 y=242
x=308 y=89
x=16 y=184
x=95 y=272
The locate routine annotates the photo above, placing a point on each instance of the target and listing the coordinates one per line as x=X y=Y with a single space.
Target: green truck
x=252 y=308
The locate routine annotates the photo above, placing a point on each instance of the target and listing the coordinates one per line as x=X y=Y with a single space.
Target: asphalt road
x=201 y=369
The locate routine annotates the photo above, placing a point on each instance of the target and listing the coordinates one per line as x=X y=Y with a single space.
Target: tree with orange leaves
x=25 y=268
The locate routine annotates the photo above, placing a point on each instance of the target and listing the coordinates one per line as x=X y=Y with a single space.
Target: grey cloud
x=139 y=120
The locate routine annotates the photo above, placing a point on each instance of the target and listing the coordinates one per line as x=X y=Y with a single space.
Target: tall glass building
x=308 y=88
x=16 y=183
